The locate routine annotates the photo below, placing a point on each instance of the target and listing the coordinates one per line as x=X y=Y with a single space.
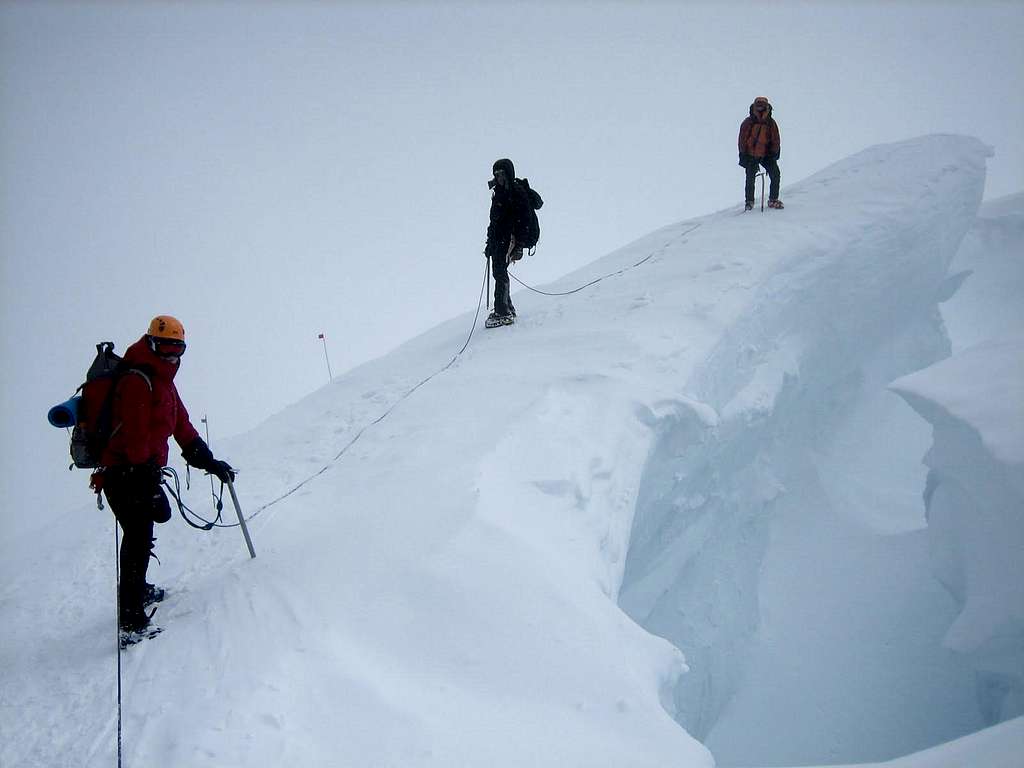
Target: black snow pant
x=502 y=298
x=135 y=505
x=774 y=175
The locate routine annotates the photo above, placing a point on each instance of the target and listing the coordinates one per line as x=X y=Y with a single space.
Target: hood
x=506 y=164
x=756 y=102
x=139 y=354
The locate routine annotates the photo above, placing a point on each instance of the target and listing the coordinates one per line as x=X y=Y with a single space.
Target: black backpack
x=531 y=227
x=94 y=411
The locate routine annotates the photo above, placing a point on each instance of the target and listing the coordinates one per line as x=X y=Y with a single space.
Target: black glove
x=222 y=471
x=197 y=453
x=745 y=159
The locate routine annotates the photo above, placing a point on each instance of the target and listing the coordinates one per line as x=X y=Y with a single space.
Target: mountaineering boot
x=152 y=594
x=776 y=204
x=127 y=638
x=135 y=625
x=748 y=206
x=133 y=620
x=494 y=320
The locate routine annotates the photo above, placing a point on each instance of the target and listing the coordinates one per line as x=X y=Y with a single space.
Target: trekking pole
x=762 y=175
x=488 y=283
x=117 y=633
x=241 y=519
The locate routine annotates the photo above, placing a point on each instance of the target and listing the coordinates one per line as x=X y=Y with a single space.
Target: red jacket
x=143 y=419
x=759 y=136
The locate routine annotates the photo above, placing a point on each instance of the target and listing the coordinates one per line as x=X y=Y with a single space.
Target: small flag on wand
x=330 y=376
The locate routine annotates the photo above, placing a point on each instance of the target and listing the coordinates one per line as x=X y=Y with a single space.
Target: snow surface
x=983 y=387
x=704 y=439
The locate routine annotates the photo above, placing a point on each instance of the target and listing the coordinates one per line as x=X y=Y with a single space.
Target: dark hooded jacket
x=510 y=209
x=759 y=136
x=147 y=411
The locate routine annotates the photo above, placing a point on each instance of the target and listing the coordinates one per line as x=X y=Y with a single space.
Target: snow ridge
x=449 y=593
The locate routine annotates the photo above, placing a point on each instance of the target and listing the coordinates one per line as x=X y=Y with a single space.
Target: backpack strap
x=108 y=404
x=144 y=374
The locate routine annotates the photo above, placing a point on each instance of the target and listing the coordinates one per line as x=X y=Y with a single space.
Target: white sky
x=268 y=171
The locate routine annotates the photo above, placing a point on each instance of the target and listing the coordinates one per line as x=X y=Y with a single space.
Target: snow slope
x=445 y=590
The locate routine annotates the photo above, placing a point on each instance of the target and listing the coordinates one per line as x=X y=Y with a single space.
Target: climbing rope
x=386 y=413
x=450 y=363
x=597 y=280
x=171 y=476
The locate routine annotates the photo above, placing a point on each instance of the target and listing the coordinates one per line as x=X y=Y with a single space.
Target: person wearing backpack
x=760 y=145
x=507 y=234
x=146 y=411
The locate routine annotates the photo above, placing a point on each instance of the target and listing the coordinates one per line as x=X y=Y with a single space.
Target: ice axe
x=241 y=519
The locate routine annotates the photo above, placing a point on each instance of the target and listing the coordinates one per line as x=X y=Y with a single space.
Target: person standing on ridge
x=510 y=208
x=145 y=412
x=760 y=145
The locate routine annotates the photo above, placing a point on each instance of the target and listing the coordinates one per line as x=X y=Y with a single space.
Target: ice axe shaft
x=241 y=519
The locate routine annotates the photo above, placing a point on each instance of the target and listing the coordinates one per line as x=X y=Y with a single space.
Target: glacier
x=673 y=519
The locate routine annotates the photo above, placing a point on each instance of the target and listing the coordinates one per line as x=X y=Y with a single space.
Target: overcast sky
x=270 y=171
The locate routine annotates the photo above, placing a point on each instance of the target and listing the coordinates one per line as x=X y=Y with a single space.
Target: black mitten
x=197 y=453
x=222 y=470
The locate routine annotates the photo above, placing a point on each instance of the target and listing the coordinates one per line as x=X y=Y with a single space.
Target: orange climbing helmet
x=166 y=327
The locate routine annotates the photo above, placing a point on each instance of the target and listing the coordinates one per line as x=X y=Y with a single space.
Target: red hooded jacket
x=143 y=419
x=759 y=134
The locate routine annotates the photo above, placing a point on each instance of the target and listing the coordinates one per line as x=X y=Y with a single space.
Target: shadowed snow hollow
x=975 y=489
x=781 y=544
x=975 y=501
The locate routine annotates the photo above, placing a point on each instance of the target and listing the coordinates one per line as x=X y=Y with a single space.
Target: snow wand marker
x=206 y=425
x=241 y=519
x=330 y=376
